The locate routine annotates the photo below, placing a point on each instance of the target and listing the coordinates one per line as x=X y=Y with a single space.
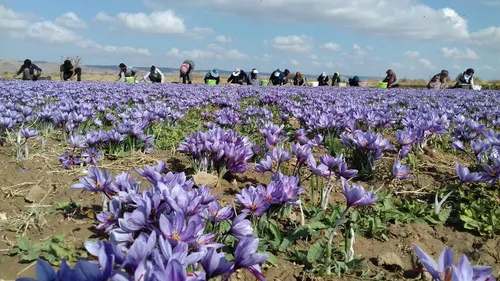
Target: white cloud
x=312 y=56
x=160 y=22
x=70 y=20
x=51 y=33
x=223 y=39
x=48 y=32
x=358 y=51
x=331 y=64
x=333 y=47
x=412 y=54
x=316 y=63
x=11 y=20
x=491 y=3
x=457 y=54
x=369 y=48
x=404 y=19
x=212 y=51
x=396 y=65
x=293 y=43
x=488 y=38
x=200 y=32
x=232 y=55
x=104 y=17
x=457 y=67
x=487 y=67
x=294 y=62
x=426 y=63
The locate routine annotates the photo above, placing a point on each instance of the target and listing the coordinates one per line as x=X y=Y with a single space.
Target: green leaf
x=59 y=237
x=50 y=258
x=272 y=259
x=316 y=252
x=42 y=246
x=30 y=256
x=24 y=243
x=14 y=251
x=273 y=227
x=317 y=225
x=59 y=251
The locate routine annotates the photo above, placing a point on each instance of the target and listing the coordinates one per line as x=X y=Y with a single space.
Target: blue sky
x=365 y=37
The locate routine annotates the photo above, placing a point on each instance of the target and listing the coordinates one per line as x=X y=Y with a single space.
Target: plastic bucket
x=211 y=82
x=382 y=85
x=342 y=84
x=314 y=83
x=130 y=79
x=264 y=83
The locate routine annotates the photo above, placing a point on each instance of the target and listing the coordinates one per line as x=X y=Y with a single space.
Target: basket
x=363 y=83
x=314 y=83
x=382 y=85
x=130 y=79
x=342 y=84
x=211 y=82
x=264 y=83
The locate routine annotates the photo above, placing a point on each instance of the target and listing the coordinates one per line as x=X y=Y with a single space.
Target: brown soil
x=16 y=179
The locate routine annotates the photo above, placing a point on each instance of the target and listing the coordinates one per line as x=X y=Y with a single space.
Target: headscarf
x=67 y=65
x=286 y=72
x=236 y=72
x=214 y=73
x=323 y=74
x=27 y=63
x=389 y=72
x=355 y=78
x=444 y=73
x=469 y=71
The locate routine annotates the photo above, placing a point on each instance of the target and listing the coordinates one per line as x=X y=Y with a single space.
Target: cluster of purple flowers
x=160 y=233
x=218 y=150
x=368 y=144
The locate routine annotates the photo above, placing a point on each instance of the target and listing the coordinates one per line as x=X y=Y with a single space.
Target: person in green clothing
x=28 y=70
x=299 y=79
x=213 y=75
x=185 y=72
x=126 y=72
x=338 y=78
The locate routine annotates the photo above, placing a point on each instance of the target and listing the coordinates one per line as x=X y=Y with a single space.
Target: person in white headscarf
x=238 y=77
x=253 y=77
x=323 y=79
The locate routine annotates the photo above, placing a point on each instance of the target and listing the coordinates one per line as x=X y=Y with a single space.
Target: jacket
x=277 y=80
x=437 y=82
x=392 y=79
x=255 y=81
x=32 y=69
x=323 y=80
x=463 y=78
x=241 y=78
x=299 y=83
x=209 y=76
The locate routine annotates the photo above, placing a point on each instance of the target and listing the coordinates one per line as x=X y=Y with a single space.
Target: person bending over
x=279 y=78
x=465 y=78
x=323 y=79
x=253 y=78
x=126 y=72
x=354 y=81
x=154 y=75
x=68 y=71
x=438 y=81
x=338 y=78
x=185 y=72
x=213 y=75
x=391 y=79
x=28 y=69
x=299 y=79
x=238 y=77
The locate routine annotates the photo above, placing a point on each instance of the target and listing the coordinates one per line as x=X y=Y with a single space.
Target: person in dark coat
x=253 y=78
x=68 y=71
x=299 y=79
x=213 y=75
x=279 y=77
x=323 y=79
x=28 y=69
x=354 y=81
x=238 y=77
x=185 y=72
x=465 y=78
x=439 y=80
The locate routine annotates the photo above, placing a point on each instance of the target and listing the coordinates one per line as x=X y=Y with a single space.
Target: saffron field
x=118 y=181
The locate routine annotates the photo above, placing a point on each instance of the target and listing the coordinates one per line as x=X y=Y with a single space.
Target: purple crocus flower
x=77 y=142
x=400 y=172
x=177 y=230
x=445 y=270
x=246 y=257
x=240 y=226
x=215 y=264
x=27 y=133
x=140 y=249
x=355 y=195
x=174 y=271
x=302 y=152
x=466 y=176
x=273 y=193
x=45 y=272
x=252 y=201
x=68 y=159
x=91 y=155
x=97 y=181
x=218 y=214
x=109 y=219
x=265 y=165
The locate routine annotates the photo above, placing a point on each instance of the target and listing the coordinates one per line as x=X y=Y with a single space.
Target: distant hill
x=53 y=67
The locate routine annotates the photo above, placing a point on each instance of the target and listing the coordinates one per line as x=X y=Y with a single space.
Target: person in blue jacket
x=299 y=79
x=213 y=75
x=354 y=81
x=279 y=78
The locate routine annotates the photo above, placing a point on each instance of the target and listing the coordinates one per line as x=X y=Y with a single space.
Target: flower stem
x=328 y=270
